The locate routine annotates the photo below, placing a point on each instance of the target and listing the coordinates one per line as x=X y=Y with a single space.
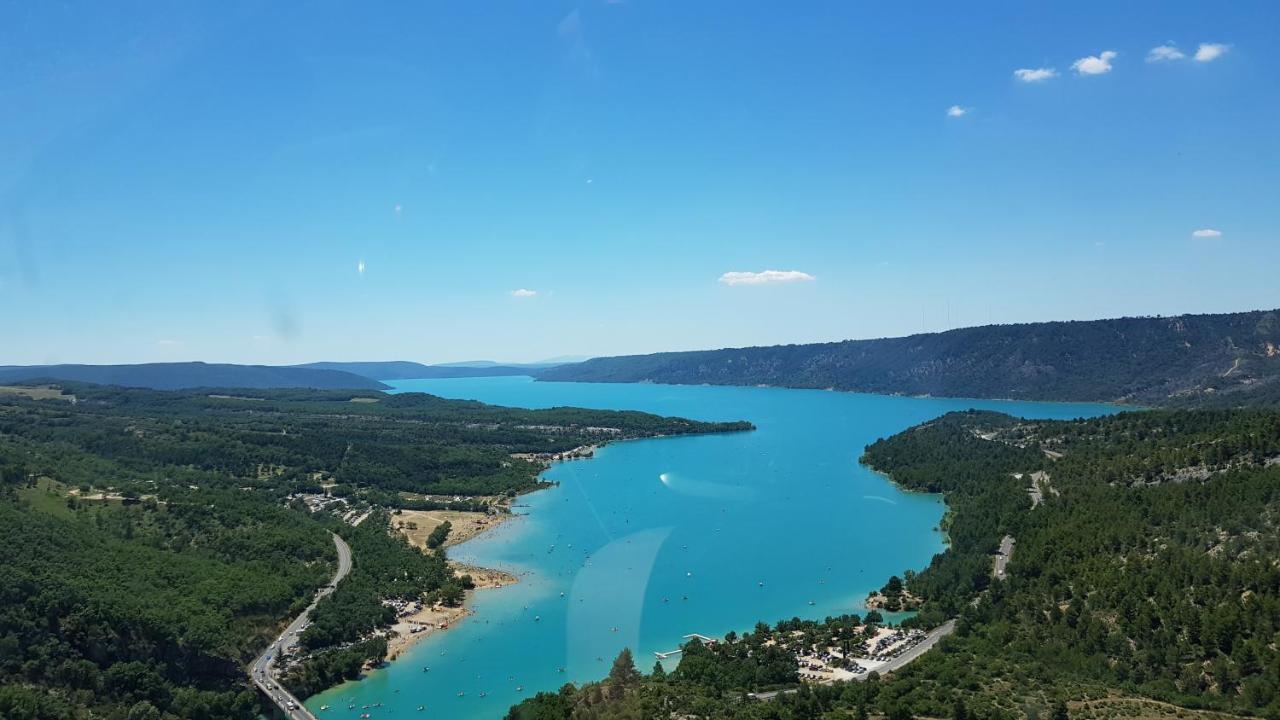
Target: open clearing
x=418 y=524
x=42 y=392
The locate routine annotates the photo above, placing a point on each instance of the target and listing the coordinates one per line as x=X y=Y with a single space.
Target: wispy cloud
x=360 y=267
x=1030 y=75
x=957 y=111
x=1164 y=53
x=764 y=277
x=1206 y=233
x=168 y=343
x=524 y=293
x=1099 y=64
x=1211 y=51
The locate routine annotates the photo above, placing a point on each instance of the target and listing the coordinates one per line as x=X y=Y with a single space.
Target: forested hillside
x=1144 y=571
x=156 y=541
x=1190 y=359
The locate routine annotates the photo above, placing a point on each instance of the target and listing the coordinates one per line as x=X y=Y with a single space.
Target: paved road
x=929 y=641
x=1039 y=478
x=897 y=663
x=263 y=672
x=1003 y=555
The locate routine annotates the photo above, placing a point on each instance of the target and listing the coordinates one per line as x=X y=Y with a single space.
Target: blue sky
x=253 y=183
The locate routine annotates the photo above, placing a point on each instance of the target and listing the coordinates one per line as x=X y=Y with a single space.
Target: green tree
x=624 y=670
x=144 y=710
x=899 y=712
x=439 y=535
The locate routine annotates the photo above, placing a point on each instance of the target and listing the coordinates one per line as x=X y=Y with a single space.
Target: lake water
x=655 y=539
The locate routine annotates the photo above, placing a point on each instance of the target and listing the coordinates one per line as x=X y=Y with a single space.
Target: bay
x=656 y=539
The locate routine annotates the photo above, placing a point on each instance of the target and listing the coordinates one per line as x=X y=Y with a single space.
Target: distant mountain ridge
x=183 y=375
x=1211 y=359
x=405 y=370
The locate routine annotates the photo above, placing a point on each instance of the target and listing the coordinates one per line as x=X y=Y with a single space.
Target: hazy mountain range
x=1225 y=359
x=176 y=376
x=1203 y=359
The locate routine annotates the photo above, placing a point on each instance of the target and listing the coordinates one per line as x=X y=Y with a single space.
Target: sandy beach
x=484 y=578
x=415 y=626
x=416 y=525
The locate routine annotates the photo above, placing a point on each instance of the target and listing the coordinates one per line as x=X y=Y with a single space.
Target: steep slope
x=1230 y=359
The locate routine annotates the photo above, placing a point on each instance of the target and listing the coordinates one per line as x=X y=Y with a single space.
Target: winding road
x=262 y=672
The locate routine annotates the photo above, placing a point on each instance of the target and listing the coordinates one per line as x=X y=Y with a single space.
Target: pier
x=691 y=636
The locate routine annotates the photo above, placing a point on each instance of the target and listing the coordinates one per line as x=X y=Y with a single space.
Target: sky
x=514 y=181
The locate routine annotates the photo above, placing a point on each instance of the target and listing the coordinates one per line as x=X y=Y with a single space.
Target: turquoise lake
x=655 y=539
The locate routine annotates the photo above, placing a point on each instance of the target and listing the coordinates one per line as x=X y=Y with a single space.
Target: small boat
x=426 y=669
x=324 y=707
x=421 y=708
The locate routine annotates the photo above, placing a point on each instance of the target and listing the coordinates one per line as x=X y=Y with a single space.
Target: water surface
x=655 y=539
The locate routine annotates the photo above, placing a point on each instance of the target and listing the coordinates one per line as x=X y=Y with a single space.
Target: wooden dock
x=691 y=636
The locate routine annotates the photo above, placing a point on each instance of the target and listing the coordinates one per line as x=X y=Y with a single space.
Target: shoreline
x=409 y=629
x=428 y=620
x=1125 y=406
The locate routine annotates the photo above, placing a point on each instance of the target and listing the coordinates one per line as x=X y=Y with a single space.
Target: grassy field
x=416 y=525
x=37 y=392
x=48 y=496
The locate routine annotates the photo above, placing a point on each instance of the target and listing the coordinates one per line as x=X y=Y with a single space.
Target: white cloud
x=1206 y=233
x=1211 y=51
x=523 y=293
x=360 y=267
x=1163 y=53
x=1028 y=75
x=1099 y=64
x=957 y=111
x=764 y=277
